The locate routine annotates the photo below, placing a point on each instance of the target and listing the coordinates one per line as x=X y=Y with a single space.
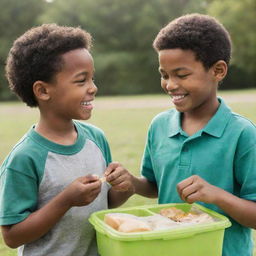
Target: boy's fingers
x=114 y=175
x=94 y=185
x=187 y=191
x=89 y=179
x=192 y=198
x=183 y=184
x=111 y=167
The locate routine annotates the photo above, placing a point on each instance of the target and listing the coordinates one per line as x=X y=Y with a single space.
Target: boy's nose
x=93 y=88
x=171 y=85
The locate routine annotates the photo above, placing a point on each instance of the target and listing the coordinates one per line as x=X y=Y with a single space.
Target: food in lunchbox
x=126 y=222
x=173 y=213
x=134 y=225
x=168 y=218
x=186 y=217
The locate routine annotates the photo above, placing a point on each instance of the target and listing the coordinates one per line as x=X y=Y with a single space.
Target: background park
x=126 y=65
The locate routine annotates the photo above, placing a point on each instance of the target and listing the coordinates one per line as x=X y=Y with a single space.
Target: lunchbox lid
x=97 y=220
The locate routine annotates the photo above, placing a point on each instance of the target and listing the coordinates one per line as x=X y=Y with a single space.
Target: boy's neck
x=195 y=121
x=61 y=133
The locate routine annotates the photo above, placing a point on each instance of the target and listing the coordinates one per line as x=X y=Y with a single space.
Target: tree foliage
x=123 y=33
x=239 y=19
x=16 y=17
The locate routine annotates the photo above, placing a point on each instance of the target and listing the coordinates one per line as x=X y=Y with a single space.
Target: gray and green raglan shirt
x=36 y=170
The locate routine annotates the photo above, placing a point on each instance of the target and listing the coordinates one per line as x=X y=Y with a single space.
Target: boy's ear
x=220 y=69
x=41 y=90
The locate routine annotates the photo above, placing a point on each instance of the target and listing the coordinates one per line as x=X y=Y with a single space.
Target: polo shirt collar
x=175 y=124
x=214 y=127
x=219 y=121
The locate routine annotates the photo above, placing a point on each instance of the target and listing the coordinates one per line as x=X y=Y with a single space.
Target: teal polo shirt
x=223 y=153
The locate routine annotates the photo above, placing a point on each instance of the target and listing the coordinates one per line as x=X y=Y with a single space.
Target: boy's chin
x=84 y=118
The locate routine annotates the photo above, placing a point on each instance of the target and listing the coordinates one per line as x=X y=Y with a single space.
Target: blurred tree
x=16 y=17
x=123 y=31
x=239 y=19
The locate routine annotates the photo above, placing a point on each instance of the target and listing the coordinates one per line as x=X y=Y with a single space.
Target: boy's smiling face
x=73 y=89
x=191 y=87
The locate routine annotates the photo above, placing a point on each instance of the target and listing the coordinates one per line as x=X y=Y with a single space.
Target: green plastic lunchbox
x=204 y=239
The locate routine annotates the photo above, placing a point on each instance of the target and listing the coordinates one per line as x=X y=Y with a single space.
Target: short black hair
x=36 y=55
x=202 y=34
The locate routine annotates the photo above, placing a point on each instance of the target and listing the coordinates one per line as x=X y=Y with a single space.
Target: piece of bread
x=133 y=225
x=114 y=220
x=173 y=213
x=126 y=222
x=190 y=217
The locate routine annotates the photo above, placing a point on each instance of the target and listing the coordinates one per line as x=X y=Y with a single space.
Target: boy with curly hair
x=49 y=183
x=201 y=151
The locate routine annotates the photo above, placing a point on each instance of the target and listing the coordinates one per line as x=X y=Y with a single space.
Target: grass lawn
x=124 y=120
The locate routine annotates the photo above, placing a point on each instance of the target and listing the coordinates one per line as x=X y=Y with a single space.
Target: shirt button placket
x=185 y=156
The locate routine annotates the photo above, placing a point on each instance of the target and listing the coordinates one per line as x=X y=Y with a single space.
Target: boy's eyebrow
x=83 y=73
x=173 y=70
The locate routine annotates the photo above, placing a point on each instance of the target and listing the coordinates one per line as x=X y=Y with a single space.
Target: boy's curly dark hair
x=36 y=55
x=202 y=34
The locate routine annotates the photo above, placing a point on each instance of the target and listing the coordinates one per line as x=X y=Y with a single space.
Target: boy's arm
x=241 y=210
x=124 y=185
x=79 y=193
x=36 y=224
x=195 y=189
x=142 y=187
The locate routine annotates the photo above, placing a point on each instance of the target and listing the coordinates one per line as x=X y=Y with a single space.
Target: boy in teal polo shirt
x=201 y=151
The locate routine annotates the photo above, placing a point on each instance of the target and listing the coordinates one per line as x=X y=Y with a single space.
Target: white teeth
x=177 y=97
x=86 y=103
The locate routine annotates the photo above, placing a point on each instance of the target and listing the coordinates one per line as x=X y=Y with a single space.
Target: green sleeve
x=20 y=176
x=146 y=165
x=18 y=196
x=245 y=164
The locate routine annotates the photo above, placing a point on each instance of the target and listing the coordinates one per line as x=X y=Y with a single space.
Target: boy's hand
x=195 y=189
x=82 y=191
x=119 y=177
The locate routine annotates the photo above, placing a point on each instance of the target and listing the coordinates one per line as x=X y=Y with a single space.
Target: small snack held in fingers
x=103 y=179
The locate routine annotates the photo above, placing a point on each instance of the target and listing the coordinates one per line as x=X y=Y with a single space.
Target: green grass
x=124 y=120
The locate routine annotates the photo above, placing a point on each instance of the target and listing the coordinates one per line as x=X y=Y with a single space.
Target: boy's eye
x=164 y=76
x=80 y=81
x=182 y=76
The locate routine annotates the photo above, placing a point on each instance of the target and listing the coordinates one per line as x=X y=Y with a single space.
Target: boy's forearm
x=241 y=210
x=36 y=224
x=117 y=198
x=145 y=188
x=141 y=187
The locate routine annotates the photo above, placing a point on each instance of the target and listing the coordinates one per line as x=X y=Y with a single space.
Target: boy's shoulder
x=90 y=129
x=25 y=153
x=26 y=146
x=165 y=117
x=92 y=132
x=97 y=136
x=244 y=125
x=243 y=121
